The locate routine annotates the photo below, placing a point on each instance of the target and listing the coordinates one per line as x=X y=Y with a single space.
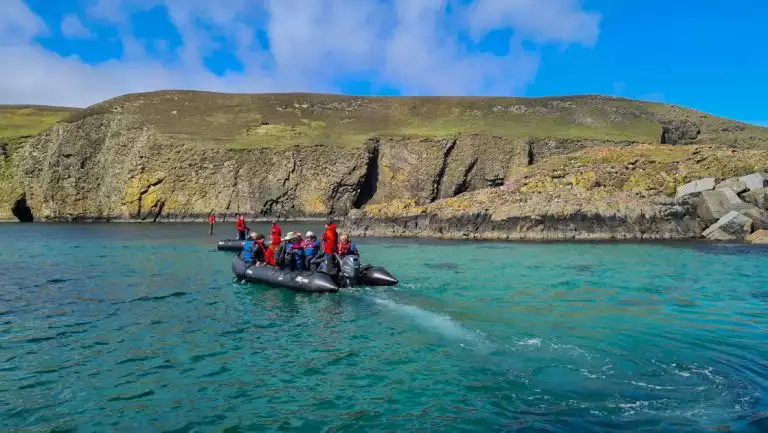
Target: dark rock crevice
x=463 y=185
x=370 y=179
x=440 y=177
x=529 y=154
x=157 y=210
x=142 y=193
x=21 y=210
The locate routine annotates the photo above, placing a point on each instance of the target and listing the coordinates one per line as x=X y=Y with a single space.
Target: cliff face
x=180 y=155
x=110 y=167
x=597 y=193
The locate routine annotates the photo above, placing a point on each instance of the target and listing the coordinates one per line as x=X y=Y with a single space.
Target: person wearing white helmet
x=293 y=252
x=311 y=247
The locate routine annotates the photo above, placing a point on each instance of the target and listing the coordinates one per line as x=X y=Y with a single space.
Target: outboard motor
x=350 y=271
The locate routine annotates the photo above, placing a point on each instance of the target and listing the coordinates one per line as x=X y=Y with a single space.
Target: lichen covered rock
x=732 y=226
x=757 y=197
x=696 y=186
x=754 y=181
x=734 y=184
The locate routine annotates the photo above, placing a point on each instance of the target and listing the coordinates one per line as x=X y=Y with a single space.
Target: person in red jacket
x=330 y=237
x=276 y=234
x=275 y=238
x=240 y=227
x=329 y=246
x=211 y=221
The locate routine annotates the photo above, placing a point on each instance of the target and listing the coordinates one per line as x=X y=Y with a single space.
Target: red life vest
x=240 y=224
x=276 y=234
x=344 y=248
x=211 y=219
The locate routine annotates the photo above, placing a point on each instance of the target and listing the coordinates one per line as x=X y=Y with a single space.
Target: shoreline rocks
x=732 y=226
x=696 y=187
x=757 y=197
x=758 y=237
x=728 y=216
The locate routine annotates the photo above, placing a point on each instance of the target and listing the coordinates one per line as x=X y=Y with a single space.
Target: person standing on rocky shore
x=211 y=222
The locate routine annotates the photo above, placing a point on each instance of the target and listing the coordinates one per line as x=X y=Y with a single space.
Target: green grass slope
x=27 y=120
x=17 y=123
x=286 y=120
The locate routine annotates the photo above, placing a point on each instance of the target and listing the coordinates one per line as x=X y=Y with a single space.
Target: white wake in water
x=442 y=324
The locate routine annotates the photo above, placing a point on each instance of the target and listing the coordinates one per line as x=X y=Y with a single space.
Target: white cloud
x=73 y=28
x=410 y=45
x=560 y=21
x=18 y=23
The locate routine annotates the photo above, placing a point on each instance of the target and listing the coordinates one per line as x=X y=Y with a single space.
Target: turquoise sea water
x=141 y=328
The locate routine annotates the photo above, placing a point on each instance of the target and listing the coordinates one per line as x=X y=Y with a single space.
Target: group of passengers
x=294 y=251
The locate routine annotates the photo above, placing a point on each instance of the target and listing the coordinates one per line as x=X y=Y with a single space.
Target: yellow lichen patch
x=585 y=180
x=539 y=184
x=144 y=187
x=460 y=203
x=315 y=205
x=395 y=208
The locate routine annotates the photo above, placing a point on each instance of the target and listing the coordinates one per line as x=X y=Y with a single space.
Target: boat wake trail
x=439 y=323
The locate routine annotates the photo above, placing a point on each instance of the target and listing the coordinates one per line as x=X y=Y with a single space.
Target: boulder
x=757 y=197
x=735 y=184
x=716 y=204
x=754 y=181
x=758 y=237
x=732 y=226
x=696 y=186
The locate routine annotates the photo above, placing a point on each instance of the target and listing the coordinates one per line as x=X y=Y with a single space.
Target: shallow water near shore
x=141 y=327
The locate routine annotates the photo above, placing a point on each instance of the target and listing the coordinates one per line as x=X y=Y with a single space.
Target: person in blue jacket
x=254 y=250
x=311 y=248
x=293 y=254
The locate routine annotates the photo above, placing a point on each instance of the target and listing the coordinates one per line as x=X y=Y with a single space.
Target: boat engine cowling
x=350 y=269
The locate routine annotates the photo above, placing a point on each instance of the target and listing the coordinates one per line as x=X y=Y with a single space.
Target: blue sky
x=707 y=55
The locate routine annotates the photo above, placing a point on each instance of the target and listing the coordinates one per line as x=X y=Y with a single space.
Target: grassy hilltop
x=17 y=121
x=285 y=120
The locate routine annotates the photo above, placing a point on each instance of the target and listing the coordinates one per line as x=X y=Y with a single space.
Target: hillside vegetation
x=178 y=155
x=17 y=121
x=244 y=121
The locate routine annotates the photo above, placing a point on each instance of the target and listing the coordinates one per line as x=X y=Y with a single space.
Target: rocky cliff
x=593 y=194
x=179 y=155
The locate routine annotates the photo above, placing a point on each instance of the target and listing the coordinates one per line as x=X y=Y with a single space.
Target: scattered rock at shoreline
x=734 y=184
x=754 y=181
x=758 y=237
x=732 y=226
x=757 y=197
x=715 y=204
x=504 y=215
x=696 y=187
